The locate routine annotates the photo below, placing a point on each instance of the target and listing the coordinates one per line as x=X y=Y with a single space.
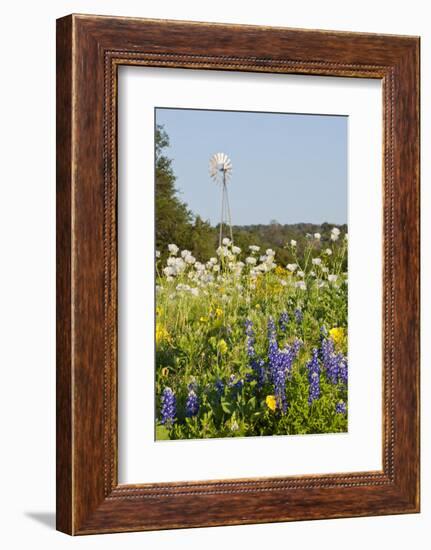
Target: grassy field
x=247 y=347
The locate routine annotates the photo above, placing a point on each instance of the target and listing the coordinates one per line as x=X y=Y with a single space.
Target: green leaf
x=162 y=433
x=225 y=405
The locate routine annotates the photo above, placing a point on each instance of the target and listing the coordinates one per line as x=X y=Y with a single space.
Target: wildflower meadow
x=247 y=345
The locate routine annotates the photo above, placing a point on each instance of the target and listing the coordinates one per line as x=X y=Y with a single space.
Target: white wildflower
x=325 y=269
x=270 y=252
x=195 y=291
x=316 y=261
x=293 y=243
x=317 y=236
x=222 y=251
x=250 y=260
x=181 y=287
x=301 y=285
x=332 y=278
x=335 y=233
x=328 y=252
x=190 y=259
x=169 y=271
x=226 y=241
x=254 y=248
x=173 y=249
x=301 y=274
x=236 y=250
x=213 y=261
x=157 y=253
x=292 y=267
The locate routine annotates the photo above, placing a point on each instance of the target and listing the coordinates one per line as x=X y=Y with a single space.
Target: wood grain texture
x=90 y=49
x=64 y=497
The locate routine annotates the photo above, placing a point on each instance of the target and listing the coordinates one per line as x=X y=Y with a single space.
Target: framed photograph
x=237 y=274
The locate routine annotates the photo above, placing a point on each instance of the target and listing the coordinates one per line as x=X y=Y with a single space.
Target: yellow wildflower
x=203 y=319
x=337 y=334
x=162 y=334
x=257 y=306
x=271 y=402
x=222 y=346
x=281 y=271
x=165 y=371
x=219 y=312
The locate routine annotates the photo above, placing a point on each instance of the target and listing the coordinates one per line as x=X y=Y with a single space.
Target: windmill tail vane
x=220 y=169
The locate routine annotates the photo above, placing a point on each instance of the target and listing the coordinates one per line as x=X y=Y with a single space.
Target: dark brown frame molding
x=89 y=51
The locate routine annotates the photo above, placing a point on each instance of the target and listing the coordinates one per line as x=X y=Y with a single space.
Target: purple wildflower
x=250 y=340
x=219 y=386
x=313 y=377
x=192 y=404
x=169 y=406
x=280 y=364
x=341 y=408
x=298 y=315
x=335 y=364
x=256 y=364
x=343 y=371
x=283 y=321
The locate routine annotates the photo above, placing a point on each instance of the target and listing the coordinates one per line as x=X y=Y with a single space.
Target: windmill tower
x=220 y=168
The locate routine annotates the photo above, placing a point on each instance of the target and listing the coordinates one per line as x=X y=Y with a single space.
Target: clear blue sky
x=286 y=167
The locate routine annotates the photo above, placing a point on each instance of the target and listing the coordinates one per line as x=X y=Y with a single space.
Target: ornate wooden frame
x=89 y=51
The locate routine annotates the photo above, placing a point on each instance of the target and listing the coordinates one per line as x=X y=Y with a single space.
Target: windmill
x=220 y=171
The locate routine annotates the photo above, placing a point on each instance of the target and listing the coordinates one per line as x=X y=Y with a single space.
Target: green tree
x=173 y=218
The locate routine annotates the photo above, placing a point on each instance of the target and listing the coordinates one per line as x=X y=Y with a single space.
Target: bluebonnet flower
x=235 y=384
x=335 y=364
x=283 y=321
x=192 y=404
x=239 y=385
x=169 y=406
x=250 y=338
x=192 y=386
x=298 y=315
x=296 y=346
x=341 y=408
x=219 y=386
x=343 y=371
x=256 y=364
x=313 y=377
x=272 y=336
x=280 y=364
